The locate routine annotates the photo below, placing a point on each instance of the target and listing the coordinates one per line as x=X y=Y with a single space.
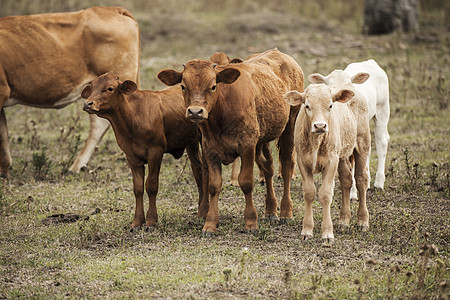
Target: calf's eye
x=213 y=88
x=110 y=89
x=183 y=87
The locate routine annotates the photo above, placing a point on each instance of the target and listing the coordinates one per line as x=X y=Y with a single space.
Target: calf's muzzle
x=196 y=113
x=87 y=105
x=320 y=127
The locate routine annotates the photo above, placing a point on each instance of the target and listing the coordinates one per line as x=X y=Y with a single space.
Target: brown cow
x=147 y=124
x=47 y=59
x=331 y=130
x=239 y=110
x=221 y=58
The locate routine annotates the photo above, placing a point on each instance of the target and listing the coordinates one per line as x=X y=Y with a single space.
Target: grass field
x=404 y=255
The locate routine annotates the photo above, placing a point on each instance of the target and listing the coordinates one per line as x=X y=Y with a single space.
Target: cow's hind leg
x=198 y=169
x=234 y=172
x=381 y=143
x=286 y=148
x=98 y=127
x=246 y=183
x=346 y=178
x=362 y=184
x=264 y=161
x=5 y=155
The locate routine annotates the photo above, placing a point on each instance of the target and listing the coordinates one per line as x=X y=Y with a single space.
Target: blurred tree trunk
x=386 y=16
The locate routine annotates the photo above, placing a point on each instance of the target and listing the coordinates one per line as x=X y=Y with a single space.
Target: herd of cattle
x=217 y=109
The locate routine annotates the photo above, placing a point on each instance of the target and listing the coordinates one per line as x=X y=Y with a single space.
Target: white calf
x=375 y=89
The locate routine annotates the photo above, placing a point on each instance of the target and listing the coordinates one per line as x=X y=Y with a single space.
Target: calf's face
x=318 y=100
x=104 y=92
x=198 y=82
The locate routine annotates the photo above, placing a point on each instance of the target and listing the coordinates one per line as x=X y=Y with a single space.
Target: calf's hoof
x=364 y=228
x=252 y=231
x=284 y=220
x=327 y=242
x=271 y=218
x=343 y=228
x=149 y=228
x=135 y=229
x=307 y=237
x=208 y=234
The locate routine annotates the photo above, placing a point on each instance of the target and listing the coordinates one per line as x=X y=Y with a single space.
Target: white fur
x=376 y=91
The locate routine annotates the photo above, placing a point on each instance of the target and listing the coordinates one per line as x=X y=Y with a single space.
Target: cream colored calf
x=331 y=130
x=375 y=90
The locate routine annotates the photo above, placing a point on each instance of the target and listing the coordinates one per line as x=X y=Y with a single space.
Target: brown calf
x=239 y=109
x=331 y=130
x=147 y=124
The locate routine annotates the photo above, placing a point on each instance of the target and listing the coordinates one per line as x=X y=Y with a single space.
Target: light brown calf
x=147 y=124
x=239 y=109
x=331 y=130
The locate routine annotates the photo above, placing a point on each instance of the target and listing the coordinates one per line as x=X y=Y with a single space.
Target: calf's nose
x=320 y=127
x=87 y=105
x=195 y=112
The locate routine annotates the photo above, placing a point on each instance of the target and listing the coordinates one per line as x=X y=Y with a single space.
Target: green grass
x=99 y=258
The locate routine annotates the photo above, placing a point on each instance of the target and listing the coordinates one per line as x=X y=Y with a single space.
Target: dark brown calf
x=147 y=124
x=239 y=109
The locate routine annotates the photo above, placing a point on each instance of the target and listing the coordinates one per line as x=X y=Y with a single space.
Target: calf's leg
x=246 y=183
x=152 y=183
x=138 y=188
x=194 y=155
x=346 y=179
x=286 y=148
x=97 y=129
x=362 y=184
x=5 y=155
x=309 y=194
x=325 y=197
x=381 y=143
x=265 y=164
x=215 y=185
x=234 y=172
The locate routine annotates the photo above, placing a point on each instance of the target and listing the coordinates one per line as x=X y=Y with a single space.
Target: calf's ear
x=294 y=98
x=360 y=77
x=228 y=75
x=316 y=78
x=86 y=92
x=343 y=96
x=169 y=77
x=127 y=87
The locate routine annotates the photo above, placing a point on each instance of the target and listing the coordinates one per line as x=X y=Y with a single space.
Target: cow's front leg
x=215 y=185
x=151 y=184
x=246 y=183
x=138 y=188
x=309 y=194
x=325 y=197
x=5 y=155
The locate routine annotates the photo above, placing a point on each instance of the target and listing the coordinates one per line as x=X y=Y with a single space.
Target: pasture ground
x=404 y=255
